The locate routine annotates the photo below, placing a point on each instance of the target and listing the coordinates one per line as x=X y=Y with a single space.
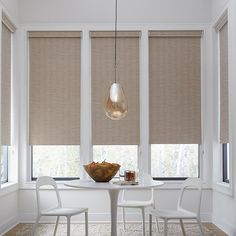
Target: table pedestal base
x=114 y=194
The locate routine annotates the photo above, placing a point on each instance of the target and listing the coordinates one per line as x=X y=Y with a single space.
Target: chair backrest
x=45 y=181
x=142 y=177
x=196 y=184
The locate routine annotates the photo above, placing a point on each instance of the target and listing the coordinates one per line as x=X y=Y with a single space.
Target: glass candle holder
x=130 y=175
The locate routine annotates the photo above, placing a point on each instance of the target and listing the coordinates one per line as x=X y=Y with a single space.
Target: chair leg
x=157 y=224
x=165 y=227
x=86 y=223
x=150 y=225
x=200 y=226
x=55 y=230
x=68 y=226
x=35 y=225
x=182 y=226
x=143 y=218
x=123 y=217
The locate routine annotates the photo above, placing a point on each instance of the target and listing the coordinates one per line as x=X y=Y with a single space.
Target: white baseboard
x=224 y=225
x=8 y=224
x=96 y=218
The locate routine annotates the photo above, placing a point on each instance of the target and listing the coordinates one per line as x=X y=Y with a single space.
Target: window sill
x=224 y=188
x=8 y=188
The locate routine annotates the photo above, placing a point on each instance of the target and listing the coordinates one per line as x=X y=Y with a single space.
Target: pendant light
x=115 y=104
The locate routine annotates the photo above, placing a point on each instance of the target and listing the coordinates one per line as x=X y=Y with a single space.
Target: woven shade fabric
x=111 y=34
x=6 y=86
x=54 y=107
x=104 y=130
x=174 y=33
x=55 y=34
x=175 y=87
x=224 y=96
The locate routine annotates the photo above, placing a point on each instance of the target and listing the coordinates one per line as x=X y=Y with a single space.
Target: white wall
x=217 y=7
x=102 y=11
x=8 y=211
x=224 y=197
x=11 y=7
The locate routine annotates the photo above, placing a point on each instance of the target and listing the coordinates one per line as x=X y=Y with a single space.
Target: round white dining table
x=113 y=190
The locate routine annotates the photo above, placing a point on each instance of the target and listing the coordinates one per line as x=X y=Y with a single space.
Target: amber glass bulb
x=116 y=105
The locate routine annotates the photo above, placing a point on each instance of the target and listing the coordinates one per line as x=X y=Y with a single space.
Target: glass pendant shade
x=116 y=105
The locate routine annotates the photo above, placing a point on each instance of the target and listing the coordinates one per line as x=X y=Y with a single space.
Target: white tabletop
x=90 y=184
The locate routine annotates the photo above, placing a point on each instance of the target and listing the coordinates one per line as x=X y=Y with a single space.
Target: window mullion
x=85 y=143
x=144 y=161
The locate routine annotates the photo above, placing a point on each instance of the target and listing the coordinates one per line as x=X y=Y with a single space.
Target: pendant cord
x=115 y=41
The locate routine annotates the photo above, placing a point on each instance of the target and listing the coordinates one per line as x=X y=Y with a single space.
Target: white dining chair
x=181 y=212
x=58 y=210
x=138 y=204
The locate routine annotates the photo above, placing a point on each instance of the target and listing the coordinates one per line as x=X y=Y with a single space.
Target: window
x=225 y=156
x=57 y=161
x=4 y=164
x=54 y=103
x=115 y=141
x=175 y=103
x=125 y=155
x=222 y=29
x=6 y=79
x=175 y=160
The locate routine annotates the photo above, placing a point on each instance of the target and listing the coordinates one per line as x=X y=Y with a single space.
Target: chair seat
x=134 y=204
x=63 y=211
x=172 y=214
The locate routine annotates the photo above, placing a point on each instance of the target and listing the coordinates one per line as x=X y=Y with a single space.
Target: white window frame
x=13 y=167
x=218 y=184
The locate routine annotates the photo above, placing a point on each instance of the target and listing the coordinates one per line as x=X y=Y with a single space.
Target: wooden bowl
x=102 y=172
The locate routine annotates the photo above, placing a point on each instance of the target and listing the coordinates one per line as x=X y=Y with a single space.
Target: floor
x=215 y=229
x=217 y=232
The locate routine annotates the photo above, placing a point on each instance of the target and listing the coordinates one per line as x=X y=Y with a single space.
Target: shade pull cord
x=115 y=67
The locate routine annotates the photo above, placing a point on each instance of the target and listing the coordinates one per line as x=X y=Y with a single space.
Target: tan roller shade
x=222 y=21
x=6 y=86
x=55 y=34
x=8 y=23
x=224 y=96
x=104 y=130
x=54 y=107
x=175 y=87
